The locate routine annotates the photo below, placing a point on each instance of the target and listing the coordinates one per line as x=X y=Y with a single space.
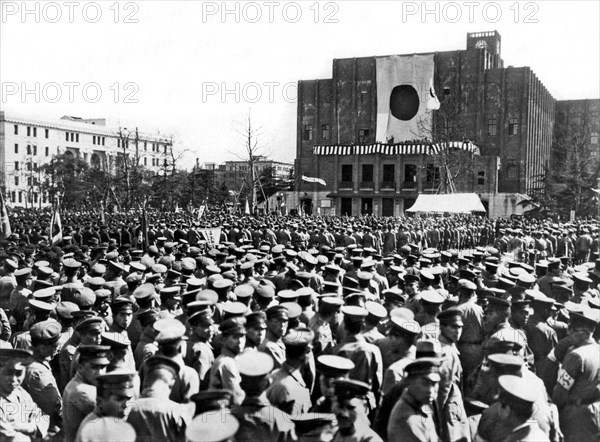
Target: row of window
x=389 y=173
x=96 y=139
x=32 y=150
x=513 y=126
x=308 y=134
x=33 y=197
x=29 y=166
x=31 y=181
x=31 y=131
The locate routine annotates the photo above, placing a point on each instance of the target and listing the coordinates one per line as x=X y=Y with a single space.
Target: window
x=16 y=128
x=410 y=173
x=16 y=148
x=35 y=197
x=594 y=138
x=363 y=135
x=29 y=167
x=492 y=126
x=94 y=139
x=367 y=172
x=166 y=149
x=47 y=149
x=16 y=180
x=511 y=171
x=20 y=196
x=363 y=97
x=103 y=140
x=35 y=131
x=77 y=138
x=346 y=172
x=481 y=177
x=389 y=170
x=35 y=150
x=16 y=165
x=118 y=142
x=145 y=161
x=308 y=132
x=513 y=126
x=325 y=132
x=46 y=133
x=43 y=198
x=35 y=167
x=29 y=181
x=145 y=145
x=66 y=136
x=29 y=149
x=12 y=196
x=28 y=131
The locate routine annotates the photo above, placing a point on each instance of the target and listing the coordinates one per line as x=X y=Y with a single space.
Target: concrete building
x=27 y=144
x=505 y=111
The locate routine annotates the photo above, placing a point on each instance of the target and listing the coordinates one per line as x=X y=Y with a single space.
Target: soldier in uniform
x=79 y=398
x=350 y=406
x=20 y=417
x=199 y=350
x=577 y=391
x=277 y=324
x=114 y=391
x=39 y=380
x=122 y=310
x=258 y=419
x=412 y=418
x=289 y=391
x=224 y=374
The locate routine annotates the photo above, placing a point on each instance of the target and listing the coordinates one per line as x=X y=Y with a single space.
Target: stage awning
x=407 y=148
x=448 y=203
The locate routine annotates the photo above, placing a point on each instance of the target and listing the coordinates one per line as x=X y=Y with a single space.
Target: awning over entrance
x=448 y=203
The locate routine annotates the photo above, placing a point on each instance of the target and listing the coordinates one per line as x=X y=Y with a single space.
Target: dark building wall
x=580 y=119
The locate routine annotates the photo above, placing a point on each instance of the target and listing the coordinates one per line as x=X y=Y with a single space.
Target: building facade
x=26 y=145
x=505 y=111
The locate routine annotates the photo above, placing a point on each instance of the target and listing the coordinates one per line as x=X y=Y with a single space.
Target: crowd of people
x=161 y=327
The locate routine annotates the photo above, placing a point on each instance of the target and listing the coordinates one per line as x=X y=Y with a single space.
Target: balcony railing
x=367 y=185
x=388 y=185
x=346 y=185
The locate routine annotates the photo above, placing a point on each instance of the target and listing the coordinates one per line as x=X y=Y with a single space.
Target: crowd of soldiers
x=299 y=328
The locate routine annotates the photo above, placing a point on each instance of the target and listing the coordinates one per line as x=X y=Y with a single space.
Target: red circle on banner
x=404 y=102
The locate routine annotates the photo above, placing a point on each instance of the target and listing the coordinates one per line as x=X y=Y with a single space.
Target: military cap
x=235 y=308
x=71 y=263
x=171 y=292
x=328 y=287
x=265 y=289
x=367 y=265
x=45 y=294
x=299 y=337
x=41 y=306
x=45 y=271
x=194 y=283
x=293 y=309
x=247 y=265
x=411 y=278
x=255 y=365
x=312 y=425
x=450 y=316
x=212 y=427
x=504 y=362
x=115 y=340
x=394 y=294
x=93 y=323
x=201 y=317
x=331 y=299
x=516 y=391
x=431 y=297
x=581 y=279
x=169 y=330
x=526 y=278
x=354 y=313
x=212 y=400
x=157 y=362
x=587 y=315
x=403 y=313
x=115 y=266
x=120 y=304
x=47 y=332
x=84 y=297
x=207 y=295
x=144 y=291
x=429 y=348
x=26 y=271
x=159 y=268
x=119 y=379
x=256 y=319
x=102 y=429
x=146 y=314
x=96 y=282
x=333 y=366
x=466 y=285
x=345 y=389
x=96 y=354
x=305 y=291
x=375 y=310
x=12 y=264
x=428 y=367
x=14 y=356
x=233 y=326
x=65 y=309
x=133 y=277
x=498 y=303
x=287 y=295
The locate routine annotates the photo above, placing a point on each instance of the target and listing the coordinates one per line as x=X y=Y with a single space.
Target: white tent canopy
x=448 y=203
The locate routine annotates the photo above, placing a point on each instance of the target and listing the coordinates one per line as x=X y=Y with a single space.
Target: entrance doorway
x=346 y=207
x=366 y=206
x=387 y=207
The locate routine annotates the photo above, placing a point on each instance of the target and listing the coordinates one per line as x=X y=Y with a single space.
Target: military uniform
x=288 y=391
x=200 y=356
x=224 y=375
x=41 y=385
x=79 y=399
x=411 y=421
x=19 y=406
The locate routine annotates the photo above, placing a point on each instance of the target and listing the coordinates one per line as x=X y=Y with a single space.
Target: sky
x=194 y=70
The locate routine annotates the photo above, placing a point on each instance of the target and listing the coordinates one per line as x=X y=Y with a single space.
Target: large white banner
x=212 y=236
x=405 y=97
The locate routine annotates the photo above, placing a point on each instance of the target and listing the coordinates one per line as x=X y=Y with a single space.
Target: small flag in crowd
x=5 y=230
x=56 y=232
x=247 y=208
x=201 y=210
x=309 y=179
